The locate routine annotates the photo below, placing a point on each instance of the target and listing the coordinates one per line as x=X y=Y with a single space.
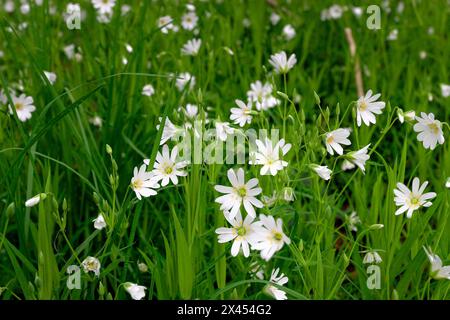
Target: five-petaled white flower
x=268 y=156
x=322 y=171
x=271 y=238
x=143 y=182
x=411 y=200
x=288 y=32
x=223 y=129
x=334 y=139
x=437 y=271
x=23 y=106
x=167 y=168
x=51 y=77
x=239 y=193
x=359 y=157
x=241 y=115
x=99 y=222
x=104 y=6
x=189 y=20
x=170 y=131
x=367 y=106
x=430 y=131
x=91 y=264
x=183 y=79
x=165 y=24
x=148 y=90
x=261 y=95
x=445 y=90
x=136 y=292
x=191 y=47
x=280 y=280
x=372 y=257
x=281 y=63
x=243 y=233
x=35 y=200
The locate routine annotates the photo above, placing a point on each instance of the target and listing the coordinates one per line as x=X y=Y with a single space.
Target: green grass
x=58 y=151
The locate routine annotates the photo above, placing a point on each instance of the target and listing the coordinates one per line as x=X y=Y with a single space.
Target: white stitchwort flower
x=143 y=183
x=35 y=200
x=190 y=111
x=261 y=96
x=447 y=183
x=411 y=200
x=393 y=35
x=268 y=156
x=243 y=233
x=24 y=107
x=359 y=157
x=437 y=271
x=334 y=139
x=367 y=106
x=243 y=114
x=347 y=165
x=136 y=292
x=189 y=20
x=104 y=6
x=281 y=63
x=170 y=131
x=322 y=171
x=51 y=76
x=223 y=129
x=165 y=24
x=445 y=90
x=353 y=220
x=91 y=264
x=274 y=18
x=280 y=280
x=239 y=193
x=191 y=47
x=183 y=79
x=99 y=222
x=372 y=257
x=408 y=115
x=430 y=131
x=167 y=168
x=148 y=90
x=288 y=32
x=272 y=238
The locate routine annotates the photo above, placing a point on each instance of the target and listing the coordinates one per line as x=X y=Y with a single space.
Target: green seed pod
x=10 y=211
x=101 y=289
x=108 y=149
x=316 y=96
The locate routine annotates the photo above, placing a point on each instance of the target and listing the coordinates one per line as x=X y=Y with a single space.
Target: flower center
x=330 y=139
x=277 y=235
x=168 y=170
x=19 y=106
x=434 y=128
x=137 y=184
x=363 y=106
x=241 y=231
x=242 y=191
x=415 y=201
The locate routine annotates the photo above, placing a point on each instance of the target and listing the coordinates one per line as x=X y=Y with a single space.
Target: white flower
x=241 y=115
x=447 y=184
x=445 y=90
x=243 y=233
x=268 y=156
x=281 y=63
x=271 y=238
x=24 y=107
x=91 y=264
x=437 y=271
x=35 y=200
x=96 y=121
x=239 y=193
x=280 y=280
x=51 y=76
x=430 y=131
x=288 y=194
x=191 y=111
x=288 y=32
x=411 y=200
x=274 y=18
x=148 y=90
x=367 y=106
x=335 y=138
x=322 y=171
x=99 y=222
x=359 y=157
x=223 y=129
x=372 y=257
x=104 y=6
x=357 y=11
x=335 y=11
x=183 y=79
x=136 y=292
x=191 y=47
x=393 y=35
x=170 y=131
x=189 y=20
x=165 y=24
x=353 y=220
x=142 y=182
x=167 y=168
x=261 y=95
